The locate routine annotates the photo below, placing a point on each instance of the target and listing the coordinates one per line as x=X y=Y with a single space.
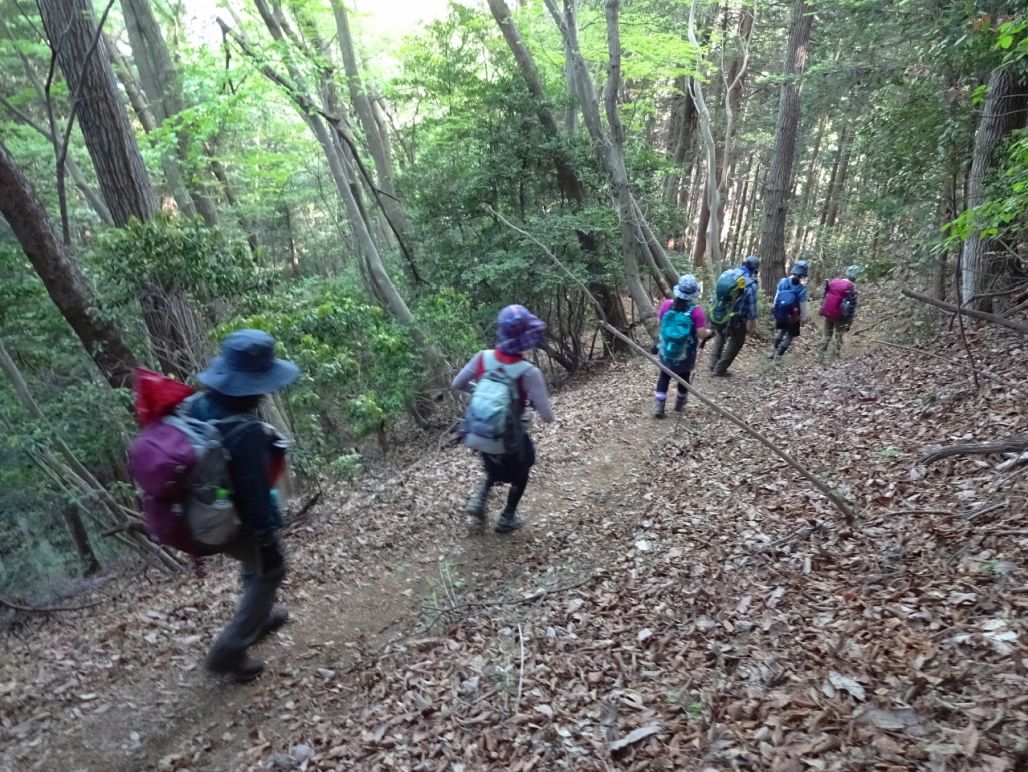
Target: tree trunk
x=779 y=178
x=829 y=209
x=64 y=282
x=682 y=128
x=378 y=144
x=567 y=178
x=609 y=149
x=163 y=88
x=1003 y=112
x=802 y=223
x=80 y=540
x=83 y=58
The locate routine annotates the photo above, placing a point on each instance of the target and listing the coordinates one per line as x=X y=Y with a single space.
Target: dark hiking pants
x=728 y=341
x=511 y=468
x=246 y=626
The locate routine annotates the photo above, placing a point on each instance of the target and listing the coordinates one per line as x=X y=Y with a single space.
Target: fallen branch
x=994 y=318
x=44 y=609
x=1016 y=444
x=836 y=500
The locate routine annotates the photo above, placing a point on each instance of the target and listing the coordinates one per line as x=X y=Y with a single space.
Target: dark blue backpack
x=787 y=306
x=677 y=337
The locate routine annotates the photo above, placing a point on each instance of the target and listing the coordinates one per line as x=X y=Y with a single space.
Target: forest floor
x=679 y=599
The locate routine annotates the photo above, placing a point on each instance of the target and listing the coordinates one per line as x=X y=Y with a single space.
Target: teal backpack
x=728 y=293
x=677 y=337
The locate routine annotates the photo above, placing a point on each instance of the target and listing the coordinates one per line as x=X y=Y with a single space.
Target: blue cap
x=247 y=366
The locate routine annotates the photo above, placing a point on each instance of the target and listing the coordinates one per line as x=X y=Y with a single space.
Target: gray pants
x=831 y=338
x=728 y=340
x=246 y=626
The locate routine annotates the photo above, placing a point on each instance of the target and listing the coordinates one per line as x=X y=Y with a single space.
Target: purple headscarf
x=518 y=330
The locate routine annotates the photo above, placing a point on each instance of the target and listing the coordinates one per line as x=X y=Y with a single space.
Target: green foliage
x=360 y=369
x=175 y=254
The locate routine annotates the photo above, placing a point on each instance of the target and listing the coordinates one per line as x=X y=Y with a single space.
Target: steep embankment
x=678 y=592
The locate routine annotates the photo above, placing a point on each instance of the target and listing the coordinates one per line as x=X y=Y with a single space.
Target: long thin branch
x=994 y=318
x=44 y=609
x=834 y=498
x=1016 y=444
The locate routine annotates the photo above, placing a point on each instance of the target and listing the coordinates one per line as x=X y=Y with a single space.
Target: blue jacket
x=749 y=301
x=249 y=443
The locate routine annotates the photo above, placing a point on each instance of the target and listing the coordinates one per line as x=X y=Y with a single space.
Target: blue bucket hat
x=247 y=366
x=688 y=288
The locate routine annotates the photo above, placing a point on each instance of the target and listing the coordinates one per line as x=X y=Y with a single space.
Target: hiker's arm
x=464 y=378
x=251 y=486
x=750 y=310
x=535 y=389
x=804 y=296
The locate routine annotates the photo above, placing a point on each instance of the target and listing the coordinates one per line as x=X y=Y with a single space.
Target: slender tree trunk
x=1004 y=111
x=123 y=73
x=163 y=88
x=80 y=540
x=682 y=129
x=802 y=223
x=779 y=178
x=833 y=179
x=378 y=143
x=64 y=282
x=83 y=58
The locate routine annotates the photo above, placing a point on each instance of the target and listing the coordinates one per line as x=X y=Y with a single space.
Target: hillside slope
x=679 y=600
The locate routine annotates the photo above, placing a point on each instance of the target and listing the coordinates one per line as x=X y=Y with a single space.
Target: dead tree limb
x=994 y=318
x=1015 y=444
x=44 y=609
x=834 y=498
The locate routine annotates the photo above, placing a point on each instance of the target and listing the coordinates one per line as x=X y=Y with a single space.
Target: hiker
x=790 y=308
x=237 y=380
x=496 y=424
x=838 y=308
x=734 y=313
x=682 y=326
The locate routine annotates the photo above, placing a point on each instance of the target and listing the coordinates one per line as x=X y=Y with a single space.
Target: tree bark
x=567 y=178
x=779 y=178
x=80 y=540
x=162 y=85
x=64 y=282
x=120 y=171
x=1004 y=111
x=378 y=144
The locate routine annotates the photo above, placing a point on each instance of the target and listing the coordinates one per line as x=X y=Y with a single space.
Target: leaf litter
x=719 y=616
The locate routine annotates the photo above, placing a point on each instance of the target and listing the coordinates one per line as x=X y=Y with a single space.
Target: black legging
x=683 y=370
x=512 y=468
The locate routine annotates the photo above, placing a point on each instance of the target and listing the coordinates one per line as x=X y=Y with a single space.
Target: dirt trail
x=652 y=516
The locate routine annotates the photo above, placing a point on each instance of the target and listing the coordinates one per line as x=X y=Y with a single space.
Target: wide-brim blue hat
x=247 y=366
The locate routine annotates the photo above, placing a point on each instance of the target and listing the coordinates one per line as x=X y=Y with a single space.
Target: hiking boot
x=242 y=671
x=509 y=521
x=658 y=408
x=276 y=619
x=680 y=403
x=246 y=670
x=722 y=374
x=476 y=504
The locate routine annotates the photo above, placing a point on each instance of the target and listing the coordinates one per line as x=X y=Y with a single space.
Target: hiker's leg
x=718 y=345
x=840 y=330
x=246 y=626
x=683 y=393
x=660 y=395
x=788 y=336
x=736 y=339
x=826 y=338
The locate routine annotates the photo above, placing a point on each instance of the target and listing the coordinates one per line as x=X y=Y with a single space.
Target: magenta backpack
x=835 y=292
x=180 y=466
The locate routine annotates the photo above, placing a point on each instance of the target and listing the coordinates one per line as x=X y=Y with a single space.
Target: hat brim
x=237 y=383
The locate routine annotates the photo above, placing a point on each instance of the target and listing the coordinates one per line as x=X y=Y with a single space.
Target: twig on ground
x=836 y=500
x=45 y=609
x=1016 y=444
x=521 y=601
x=521 y=671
